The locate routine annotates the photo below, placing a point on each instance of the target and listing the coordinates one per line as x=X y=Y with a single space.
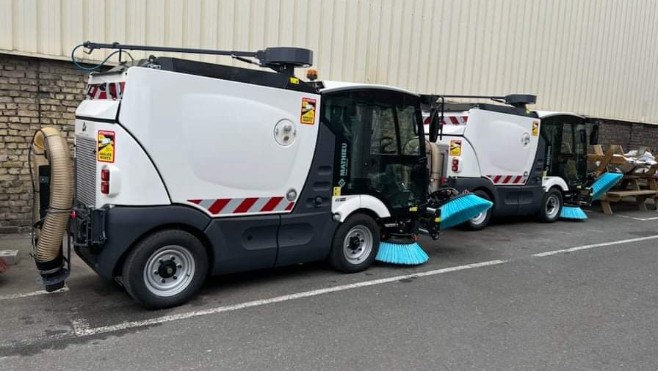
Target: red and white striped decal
x=229 y=206
x=110 y=90
x=455 y=120
x=507 y=179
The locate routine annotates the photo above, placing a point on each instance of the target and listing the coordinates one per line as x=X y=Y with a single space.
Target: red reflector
x=105 y=187
x=105 y=175
x=73 y=214
x=455 y=168
x=427 y=121
x=455 y=161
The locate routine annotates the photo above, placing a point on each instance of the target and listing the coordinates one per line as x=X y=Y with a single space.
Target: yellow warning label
x=336 y=191
x=106 y=144
x=455 y=148
x=294 y=80
x=308 y=111
x=535 y=128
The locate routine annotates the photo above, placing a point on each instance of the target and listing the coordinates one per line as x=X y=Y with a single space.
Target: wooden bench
x=640 y=195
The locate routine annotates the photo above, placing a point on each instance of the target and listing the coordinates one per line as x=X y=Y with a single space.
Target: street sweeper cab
x=185 y=169
x=526 y=162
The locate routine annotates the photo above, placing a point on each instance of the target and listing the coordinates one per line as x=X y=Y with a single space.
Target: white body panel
x=548 y=182
x=98 y=109
x=332 y=85
x=468 y=164
x=547 y=114
x=499 y=146
x=344 y=206
x=215 y=139
x=505 y=143
x=133 y=179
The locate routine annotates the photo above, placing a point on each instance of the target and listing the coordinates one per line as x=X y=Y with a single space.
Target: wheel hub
x=552 y=206
x=355 y=243
x=167 y=269
x=479 y=218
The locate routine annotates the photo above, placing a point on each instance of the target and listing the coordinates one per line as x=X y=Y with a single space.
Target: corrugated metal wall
x=597 y=57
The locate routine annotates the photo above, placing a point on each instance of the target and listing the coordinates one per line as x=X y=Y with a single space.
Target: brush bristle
x=572 y=212
x=604 y=183
x=461 y=209
x=403 y=254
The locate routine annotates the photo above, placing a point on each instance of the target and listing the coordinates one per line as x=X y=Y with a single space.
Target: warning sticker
x=535 y=128
x=337 y=191
x=455 y=148
x=308 y=111
x=106 y=143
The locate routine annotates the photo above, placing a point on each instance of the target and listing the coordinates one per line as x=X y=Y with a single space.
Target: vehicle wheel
x=551 y=206
x=166 y=269
x=355 y=244
x=481 y=220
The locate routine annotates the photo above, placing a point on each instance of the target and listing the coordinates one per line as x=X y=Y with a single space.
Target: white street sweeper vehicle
x=528 y=163
x=184 y=169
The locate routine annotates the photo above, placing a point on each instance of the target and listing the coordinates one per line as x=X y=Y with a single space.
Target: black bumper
x=103 y=236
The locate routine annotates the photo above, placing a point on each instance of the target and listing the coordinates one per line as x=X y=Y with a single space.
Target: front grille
x=85 y=164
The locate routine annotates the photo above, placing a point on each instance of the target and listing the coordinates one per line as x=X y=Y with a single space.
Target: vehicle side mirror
x=434 y=122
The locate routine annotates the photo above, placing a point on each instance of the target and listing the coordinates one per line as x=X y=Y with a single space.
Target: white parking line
x=639 y=219
x=33 y=293
x=585 y=247
x=81 y=327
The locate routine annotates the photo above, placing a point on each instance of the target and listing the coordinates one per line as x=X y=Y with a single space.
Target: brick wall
x=628 y=134
x=36 y=92
x=33 y=92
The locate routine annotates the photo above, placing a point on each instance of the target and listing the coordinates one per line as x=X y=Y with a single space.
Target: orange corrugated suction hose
x=48 y=254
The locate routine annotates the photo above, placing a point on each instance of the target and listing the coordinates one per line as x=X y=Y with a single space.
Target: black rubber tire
x=136 y=262
x=553 y=195
x=470 y=225
x=337 y=257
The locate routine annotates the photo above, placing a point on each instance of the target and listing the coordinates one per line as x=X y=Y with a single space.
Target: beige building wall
x=595 y=57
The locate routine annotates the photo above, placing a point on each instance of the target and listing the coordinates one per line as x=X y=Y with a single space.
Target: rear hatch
x=96 y=113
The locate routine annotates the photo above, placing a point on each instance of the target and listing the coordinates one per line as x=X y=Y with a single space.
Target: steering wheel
x=386 y=142
x=411 y=146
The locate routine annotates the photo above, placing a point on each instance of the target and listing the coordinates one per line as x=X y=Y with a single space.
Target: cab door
x=566 y=137
x=379 y=151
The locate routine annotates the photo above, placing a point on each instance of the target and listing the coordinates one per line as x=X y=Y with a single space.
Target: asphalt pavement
x=519 y=295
